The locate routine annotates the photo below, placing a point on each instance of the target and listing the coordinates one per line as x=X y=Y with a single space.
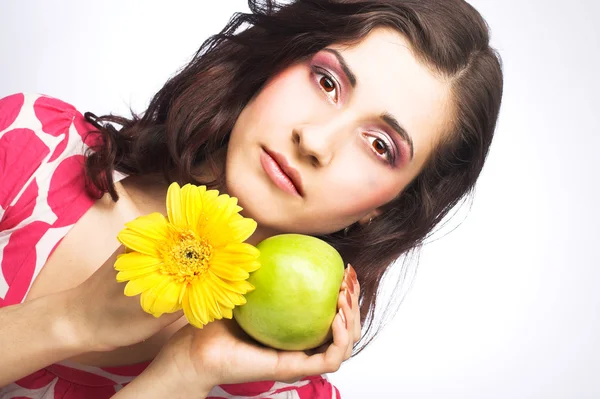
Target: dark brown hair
x=193 y=114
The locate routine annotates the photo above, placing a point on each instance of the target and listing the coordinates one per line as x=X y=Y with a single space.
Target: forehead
x=391 y=79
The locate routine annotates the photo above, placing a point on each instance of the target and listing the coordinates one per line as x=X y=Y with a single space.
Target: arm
x=35 y=334
x=158 y=382
x=94 y=316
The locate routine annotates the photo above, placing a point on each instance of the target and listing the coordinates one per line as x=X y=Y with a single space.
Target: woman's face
x=356 y=124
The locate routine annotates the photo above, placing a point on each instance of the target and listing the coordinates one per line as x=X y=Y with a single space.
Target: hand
x=352 y=286
x=221 y=353
x=103 y=318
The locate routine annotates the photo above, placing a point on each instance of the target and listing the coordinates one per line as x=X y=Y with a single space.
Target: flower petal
x=139 y=285
x=230 y=287
x=239 y=287
x=248 y=267
x=235 y=231
x=135 y=260
x=154 y=226
x=224 y=301
x=207 y=197
x=130 y=274
x=148 y=297
x=212 y=307
x=221 y=209
x=138 y=242
x=233 y=260
x=241 y=229
x=188 y=310
x=228 y=272
x=227 y=313
x=170 y=298
x=216 y=214
x=194 y=307
x=227 y=299
x=174 y=208
x=220 y=291
x=182 y=293
x=237 y=252
x=162 y=298
x=191 y=204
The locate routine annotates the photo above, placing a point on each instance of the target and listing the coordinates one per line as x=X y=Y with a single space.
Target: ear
x=370 y=216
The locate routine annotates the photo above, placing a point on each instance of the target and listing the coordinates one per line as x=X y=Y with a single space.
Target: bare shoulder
x=88 y=245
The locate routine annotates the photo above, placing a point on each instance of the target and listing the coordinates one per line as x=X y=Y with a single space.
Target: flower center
x=185 y=256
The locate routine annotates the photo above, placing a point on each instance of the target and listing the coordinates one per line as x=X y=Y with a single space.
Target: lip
x=281 y=173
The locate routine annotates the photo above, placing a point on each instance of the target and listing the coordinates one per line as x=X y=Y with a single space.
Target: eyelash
x=325 y=74
x=389 y=158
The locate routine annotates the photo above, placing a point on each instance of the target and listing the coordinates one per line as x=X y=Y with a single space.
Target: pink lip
x=281 y=173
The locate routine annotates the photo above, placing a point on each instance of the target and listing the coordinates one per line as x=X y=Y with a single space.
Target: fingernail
x=352 y=279
x=352 y=272
x=344 y=286
x=349 y=299
x=343 y=318
x=349 y=283
x=351 y=286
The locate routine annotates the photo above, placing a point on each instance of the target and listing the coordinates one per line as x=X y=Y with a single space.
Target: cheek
x=369 y=200
x=287 y=98
x=367 y=193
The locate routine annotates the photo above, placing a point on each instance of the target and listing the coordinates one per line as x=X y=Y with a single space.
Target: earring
x=370 y=220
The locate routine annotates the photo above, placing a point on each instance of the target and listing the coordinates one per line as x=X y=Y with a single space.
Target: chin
x=249 y=197
x=275 y=211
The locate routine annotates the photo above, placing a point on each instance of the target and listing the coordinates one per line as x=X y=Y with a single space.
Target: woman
x=362 y=123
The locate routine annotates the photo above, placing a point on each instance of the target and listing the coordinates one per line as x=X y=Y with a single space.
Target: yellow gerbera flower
x=196 y=259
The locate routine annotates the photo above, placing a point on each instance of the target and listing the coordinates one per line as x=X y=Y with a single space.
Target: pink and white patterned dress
x=42 y=195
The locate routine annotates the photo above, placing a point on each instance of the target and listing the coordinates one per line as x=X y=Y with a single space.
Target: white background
x=507 y=305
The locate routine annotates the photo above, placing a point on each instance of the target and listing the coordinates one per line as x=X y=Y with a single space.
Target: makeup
x=277 y=173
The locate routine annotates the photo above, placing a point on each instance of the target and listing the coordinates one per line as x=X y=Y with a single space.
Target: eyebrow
x=386 y=117
x=345 y=68
x=394 y=124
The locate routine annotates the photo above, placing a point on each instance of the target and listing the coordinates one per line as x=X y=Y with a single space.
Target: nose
x=318 y=143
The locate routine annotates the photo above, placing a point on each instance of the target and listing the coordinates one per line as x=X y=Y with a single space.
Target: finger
x=293 y=365
x=344 y=303
x=320 y=363
x=344 y=285
x=351 y=284
x=345 y=280
x=357 y=328
x=336 y=353
x=318 y=349
x=355 y=289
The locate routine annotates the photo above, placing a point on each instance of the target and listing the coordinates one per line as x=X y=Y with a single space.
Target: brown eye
x=379 y=146
x=327 y=84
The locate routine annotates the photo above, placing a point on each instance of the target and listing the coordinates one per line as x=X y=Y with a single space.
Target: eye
x=381 y=148
x=327 y=83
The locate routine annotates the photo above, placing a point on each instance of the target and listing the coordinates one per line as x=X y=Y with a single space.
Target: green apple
x=297 y=287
